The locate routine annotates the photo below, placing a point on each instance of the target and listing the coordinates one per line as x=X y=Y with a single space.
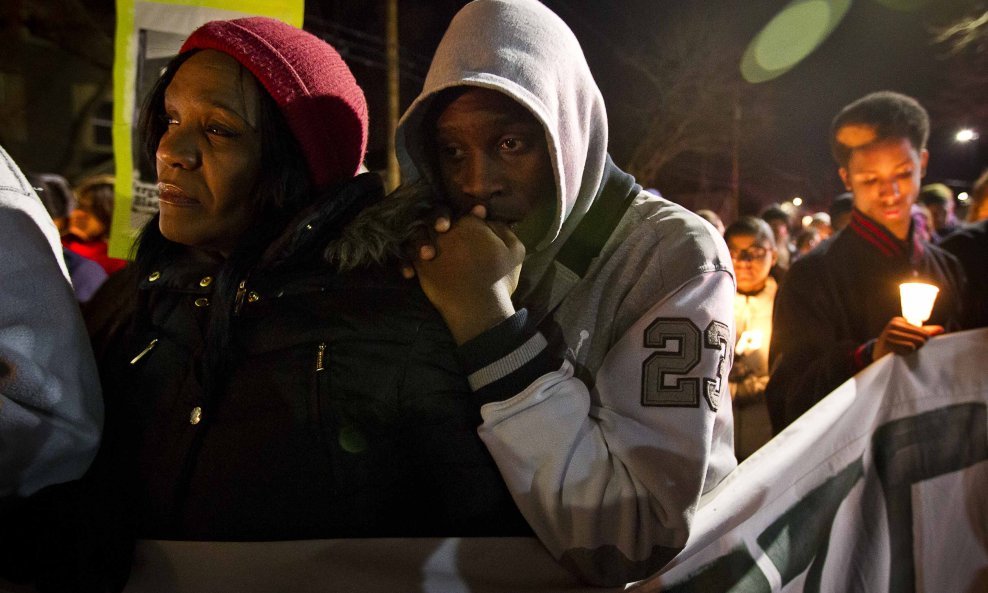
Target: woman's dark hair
x=283 y=187
x=282 y=190
x=95 y=196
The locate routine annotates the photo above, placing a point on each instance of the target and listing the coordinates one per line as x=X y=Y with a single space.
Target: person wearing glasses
x=753 y=252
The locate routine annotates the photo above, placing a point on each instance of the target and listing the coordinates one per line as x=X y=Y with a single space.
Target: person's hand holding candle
x=906 y=334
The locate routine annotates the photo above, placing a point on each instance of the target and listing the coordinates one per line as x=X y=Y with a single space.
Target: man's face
x=885 y=179
x=943 y=215
x=492 y=151
x=753 y=260
x=209 y=157
x=780 y=229
x=822 y=228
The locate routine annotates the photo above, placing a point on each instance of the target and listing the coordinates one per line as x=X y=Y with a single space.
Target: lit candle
x=750 y=341
x=917 y=301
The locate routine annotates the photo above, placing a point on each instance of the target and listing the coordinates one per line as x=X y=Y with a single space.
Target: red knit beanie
x=309 y=81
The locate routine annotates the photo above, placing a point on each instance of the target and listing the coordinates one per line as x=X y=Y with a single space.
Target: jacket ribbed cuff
x=863 y=355
x=507 y=358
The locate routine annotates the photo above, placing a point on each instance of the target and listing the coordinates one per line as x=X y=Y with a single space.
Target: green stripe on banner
x=801 y=535
x=916 y=449
x=735 y=572
x=905 y=452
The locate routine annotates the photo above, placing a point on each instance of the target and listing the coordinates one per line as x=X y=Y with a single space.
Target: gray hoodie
x=605 y=398
x=51 y=410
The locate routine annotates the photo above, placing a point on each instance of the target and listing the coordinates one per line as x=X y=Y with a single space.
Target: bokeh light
x=790 y=37
x=904 y=5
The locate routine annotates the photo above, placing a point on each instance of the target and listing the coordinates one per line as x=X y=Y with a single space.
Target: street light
x=797 y=201
x=966 y=135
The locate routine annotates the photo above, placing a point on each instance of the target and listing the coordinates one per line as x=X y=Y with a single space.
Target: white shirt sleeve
x=609 y=478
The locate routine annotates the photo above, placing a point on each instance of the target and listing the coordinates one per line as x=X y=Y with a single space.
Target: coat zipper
x=321 y=357
x=145 y=352
x=239 y=301
x=315 y=406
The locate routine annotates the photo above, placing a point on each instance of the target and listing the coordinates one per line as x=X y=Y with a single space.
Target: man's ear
x=847 y=182
x=924 y=157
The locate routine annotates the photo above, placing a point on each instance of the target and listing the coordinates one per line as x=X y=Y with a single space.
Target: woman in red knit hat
x=255 y=391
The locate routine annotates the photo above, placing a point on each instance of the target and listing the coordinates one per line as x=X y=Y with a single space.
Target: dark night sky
x=873 y=48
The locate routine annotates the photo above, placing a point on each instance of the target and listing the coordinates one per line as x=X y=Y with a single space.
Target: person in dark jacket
x=330 y=402
x=839 y=308
x=254 y=390
x=969 y=245
x=938 y=198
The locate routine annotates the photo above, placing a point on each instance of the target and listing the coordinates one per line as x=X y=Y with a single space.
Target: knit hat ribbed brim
x=311 y=84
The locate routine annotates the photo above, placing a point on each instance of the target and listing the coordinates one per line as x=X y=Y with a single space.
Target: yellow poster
x=149 y=34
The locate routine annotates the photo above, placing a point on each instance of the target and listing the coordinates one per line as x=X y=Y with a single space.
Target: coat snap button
x=202 y=302
x=153 y=277
x=196 y=416
x=206 y=281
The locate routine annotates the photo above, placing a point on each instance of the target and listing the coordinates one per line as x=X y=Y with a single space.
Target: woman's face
x=753 y=260
x=87 y=226
x=209 y=157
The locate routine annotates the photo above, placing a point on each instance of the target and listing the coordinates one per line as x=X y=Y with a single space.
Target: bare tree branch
x=697 y=86
x=966 y=33
x=960 y=99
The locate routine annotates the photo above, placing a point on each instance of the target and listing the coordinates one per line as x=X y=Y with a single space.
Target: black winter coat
x=343 y=412
x=970 y=246
x=838 y=297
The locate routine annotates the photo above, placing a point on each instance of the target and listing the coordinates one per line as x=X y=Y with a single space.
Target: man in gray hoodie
x=51 y=411
x=594 y=319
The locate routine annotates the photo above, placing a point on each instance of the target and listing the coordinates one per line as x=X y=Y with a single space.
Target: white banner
x=883 y=486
